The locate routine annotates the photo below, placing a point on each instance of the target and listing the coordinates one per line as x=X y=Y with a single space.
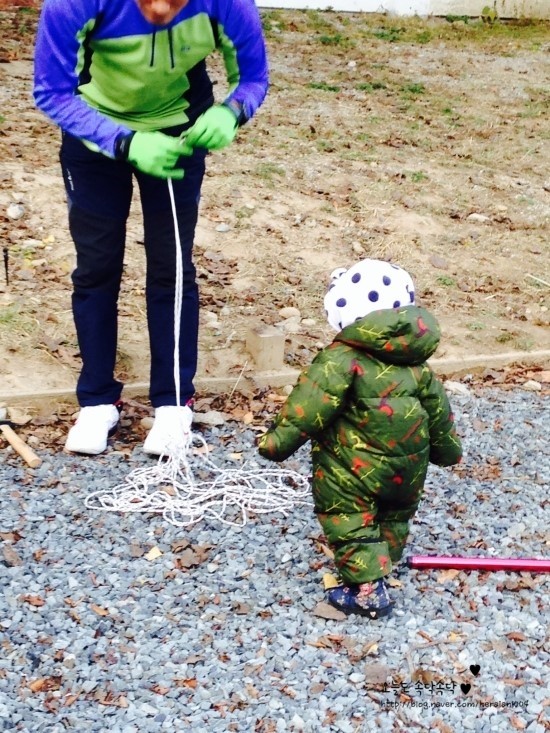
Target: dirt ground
x=424 y=142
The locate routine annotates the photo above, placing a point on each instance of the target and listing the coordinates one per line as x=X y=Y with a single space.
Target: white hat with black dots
x=368 y=286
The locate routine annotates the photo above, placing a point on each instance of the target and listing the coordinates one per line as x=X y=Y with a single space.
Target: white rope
x=184 y=497
x=178 y=296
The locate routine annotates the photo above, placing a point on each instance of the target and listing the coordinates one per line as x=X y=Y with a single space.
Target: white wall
x=473 y=8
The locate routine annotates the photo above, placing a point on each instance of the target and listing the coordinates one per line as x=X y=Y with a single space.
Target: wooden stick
x=20 y=446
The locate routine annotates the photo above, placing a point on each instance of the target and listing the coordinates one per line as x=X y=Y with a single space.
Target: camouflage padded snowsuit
x=376 y=416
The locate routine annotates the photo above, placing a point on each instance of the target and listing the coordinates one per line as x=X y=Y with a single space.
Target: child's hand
x=262 y=442
x=262 y=437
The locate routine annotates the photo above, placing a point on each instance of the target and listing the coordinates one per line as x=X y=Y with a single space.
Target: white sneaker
x=171 y=430
x=93 y=426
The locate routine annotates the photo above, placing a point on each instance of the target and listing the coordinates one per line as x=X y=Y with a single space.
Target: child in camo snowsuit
x=376 y=416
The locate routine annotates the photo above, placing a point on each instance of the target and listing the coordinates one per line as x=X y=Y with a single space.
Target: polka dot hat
x=368 y=286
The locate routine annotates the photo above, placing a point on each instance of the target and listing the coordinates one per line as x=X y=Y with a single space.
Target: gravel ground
x=221 y=631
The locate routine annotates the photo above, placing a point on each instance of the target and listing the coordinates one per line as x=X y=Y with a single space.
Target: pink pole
x=526 y=564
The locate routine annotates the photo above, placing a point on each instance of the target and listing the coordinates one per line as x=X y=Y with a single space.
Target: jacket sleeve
x=58 y=51
x=445 y=445
x=313 y=404
x=242 y=43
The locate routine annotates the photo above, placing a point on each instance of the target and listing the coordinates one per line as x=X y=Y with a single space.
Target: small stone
x=15 y=211
x=290 y=325
x=210 y=316
x=19 y=416
x=290 y=312
x=456 y=388
x=212 y=418
x=344 y=726
x=297 y=723
x=70 y=661
x=147 y=709
x=223 y=228
x=479 y=218
x=532 y=386
x=439 y=262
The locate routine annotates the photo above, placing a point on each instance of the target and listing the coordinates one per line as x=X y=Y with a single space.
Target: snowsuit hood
x=408 y=335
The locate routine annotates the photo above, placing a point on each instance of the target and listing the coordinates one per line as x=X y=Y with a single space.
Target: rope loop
x=184 y=495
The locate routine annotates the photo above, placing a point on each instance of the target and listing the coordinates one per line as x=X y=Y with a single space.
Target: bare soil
x=424 y=142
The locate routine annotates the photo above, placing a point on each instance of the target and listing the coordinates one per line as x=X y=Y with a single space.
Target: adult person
x=127 y=83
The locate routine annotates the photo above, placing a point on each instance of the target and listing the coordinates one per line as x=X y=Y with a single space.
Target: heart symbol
x=474 y=669
x=465 y=688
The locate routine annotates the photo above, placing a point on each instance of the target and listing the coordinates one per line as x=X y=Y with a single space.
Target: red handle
x=525 y=564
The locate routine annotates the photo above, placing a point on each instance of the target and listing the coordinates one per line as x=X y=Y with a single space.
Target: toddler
x=376 y=415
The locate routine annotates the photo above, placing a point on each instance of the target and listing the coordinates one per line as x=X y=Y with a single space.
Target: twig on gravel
x=410 y=664
x=238 y=379
x=435 y=642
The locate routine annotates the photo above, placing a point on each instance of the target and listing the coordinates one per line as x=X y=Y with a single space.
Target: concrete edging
x=456 y=366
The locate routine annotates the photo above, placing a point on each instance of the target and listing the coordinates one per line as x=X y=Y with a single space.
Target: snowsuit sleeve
x=445 y=445
x=314 y=402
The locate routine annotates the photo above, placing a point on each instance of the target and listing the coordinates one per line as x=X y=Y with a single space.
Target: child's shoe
x=366 y=599
x=92 y=428
x=171 y=431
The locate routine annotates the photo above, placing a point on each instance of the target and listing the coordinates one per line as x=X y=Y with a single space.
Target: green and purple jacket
x=102 y=70
x=375 y=414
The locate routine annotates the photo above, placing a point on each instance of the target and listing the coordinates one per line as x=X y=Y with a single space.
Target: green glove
x=213 y=130
x=156 y=154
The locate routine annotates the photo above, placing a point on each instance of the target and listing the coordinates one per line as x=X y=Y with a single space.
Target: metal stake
x=6 y=267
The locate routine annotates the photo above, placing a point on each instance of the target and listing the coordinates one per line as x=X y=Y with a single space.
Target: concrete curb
x=457 y=367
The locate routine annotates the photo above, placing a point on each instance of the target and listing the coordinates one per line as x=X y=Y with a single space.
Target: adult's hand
x=214 y=129
x=156 y=154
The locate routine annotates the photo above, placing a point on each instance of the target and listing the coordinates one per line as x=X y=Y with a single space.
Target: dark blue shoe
x=367 y=599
